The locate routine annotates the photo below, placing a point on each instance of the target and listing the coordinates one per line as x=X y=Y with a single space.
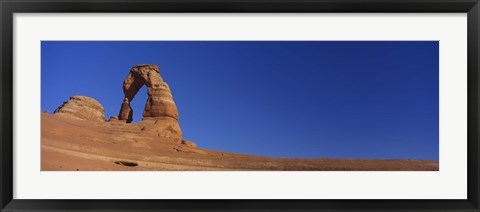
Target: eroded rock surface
x=82 y=107
x=159 y=103
x=74 y=144
x=160 y=115
x=126 y=112
x=189 y=143
x=164 y=127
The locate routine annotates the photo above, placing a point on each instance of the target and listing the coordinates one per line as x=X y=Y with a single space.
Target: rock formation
x=189 y=143
x=126 y=112
x=82 y=107
x=159 y=103
x=160 y=115
x=113 y=118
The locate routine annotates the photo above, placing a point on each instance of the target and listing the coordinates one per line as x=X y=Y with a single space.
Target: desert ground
x=70 y=144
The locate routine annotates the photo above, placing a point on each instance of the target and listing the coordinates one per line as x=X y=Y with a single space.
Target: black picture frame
x=9 y=7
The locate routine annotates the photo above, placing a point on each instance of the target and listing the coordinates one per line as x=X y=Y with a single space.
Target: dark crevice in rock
x=126 y=163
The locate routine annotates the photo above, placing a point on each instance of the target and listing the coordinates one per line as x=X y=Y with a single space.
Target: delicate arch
x=159 y=103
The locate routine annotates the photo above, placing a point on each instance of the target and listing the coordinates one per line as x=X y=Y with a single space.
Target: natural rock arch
x=160 y=101
x=160 y=116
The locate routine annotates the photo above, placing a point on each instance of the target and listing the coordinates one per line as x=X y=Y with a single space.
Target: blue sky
x=298 y=99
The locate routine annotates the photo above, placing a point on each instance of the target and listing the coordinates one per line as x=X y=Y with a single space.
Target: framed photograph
x=266 y=105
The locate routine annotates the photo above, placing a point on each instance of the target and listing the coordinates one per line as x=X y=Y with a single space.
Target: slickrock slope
x=75 y=144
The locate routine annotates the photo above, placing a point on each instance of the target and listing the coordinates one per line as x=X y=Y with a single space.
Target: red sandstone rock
x=126 y=112
x=160 y=115
x=74 y=144
x=160 y=102
x=189 y=143
x=82 y=107
x=167 y=128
